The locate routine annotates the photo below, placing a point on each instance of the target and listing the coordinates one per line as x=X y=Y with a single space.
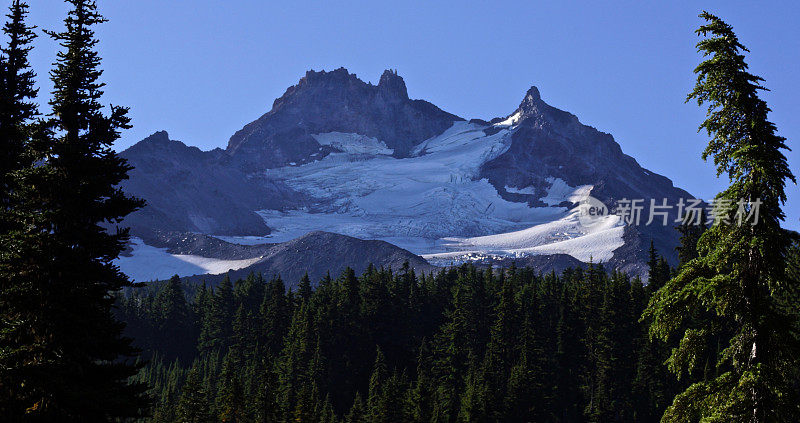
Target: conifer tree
x=173 y=321
x=375 y=406
x=357 y=413
x=230 y=398
x=17 y=109
x=419 y=398
x=739 y=276
x=293 y=364
x=275 y=315
x=690 y=229
x=217 y=332
x=193 y=403
x=569 y=358
x=79 y=354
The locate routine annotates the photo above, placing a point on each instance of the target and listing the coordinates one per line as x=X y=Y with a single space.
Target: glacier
x=434 y=203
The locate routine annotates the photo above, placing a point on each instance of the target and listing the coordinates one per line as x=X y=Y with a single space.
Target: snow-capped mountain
x=343 y=156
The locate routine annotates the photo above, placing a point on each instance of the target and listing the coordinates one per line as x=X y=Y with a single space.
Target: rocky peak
x=534 y=109
x=532 y=96
x=392 y=87
x=338 y=76
x=159 y=137
x=336 y=101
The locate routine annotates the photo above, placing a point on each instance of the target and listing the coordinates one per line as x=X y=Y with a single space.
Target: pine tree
x=691 y=230
x=376 y=408
x=173 y=321
x=193 y=403
x=293 y=363
x=739 y=276
x=17 y=108
x=501 y=352
x=275 y=316
x=230 y=398
x=418 y=403
x=304 y=290
x=217 y=331
x=474 y=399
x=77 y=369
x=17 y=315
x=357 y=413
x=569 y=359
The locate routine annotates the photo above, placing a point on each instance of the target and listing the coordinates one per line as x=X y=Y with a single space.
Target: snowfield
x=353 y=143
x=433 y=203
x=148 y=263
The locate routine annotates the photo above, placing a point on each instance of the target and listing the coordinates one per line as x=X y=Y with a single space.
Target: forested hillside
x=462 y=345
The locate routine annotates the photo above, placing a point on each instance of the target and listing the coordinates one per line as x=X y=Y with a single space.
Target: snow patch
x=565 y=235
x=148 y=263
x=353 y=143
x=526 y=190
x=434 y=204
x=560 y=191
x=511 y=120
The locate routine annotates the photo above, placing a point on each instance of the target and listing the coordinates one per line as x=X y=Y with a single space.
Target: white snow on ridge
x=565 y=236
x=432 y=195
x=149 y=263
x=511 y=120
x=434 y=204
x=560 y=191
x=353 y=143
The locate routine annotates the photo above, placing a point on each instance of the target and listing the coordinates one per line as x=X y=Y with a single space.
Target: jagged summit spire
x=532 y=100
x=392 y=84
x=533 y=93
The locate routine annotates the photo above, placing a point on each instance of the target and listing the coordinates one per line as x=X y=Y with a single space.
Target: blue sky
x=201 y=69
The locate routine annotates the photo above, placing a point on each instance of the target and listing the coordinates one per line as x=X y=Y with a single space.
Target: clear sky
x=201 y=69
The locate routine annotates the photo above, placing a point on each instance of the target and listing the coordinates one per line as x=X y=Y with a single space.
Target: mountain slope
x=195 y=191
x=340 y=155
x=315 y=253
x=336 y=101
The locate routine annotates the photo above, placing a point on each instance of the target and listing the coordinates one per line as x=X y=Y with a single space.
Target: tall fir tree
x=17 y=318
x=193 y=404
x=691 y=229
x=174 y=322
x=217 y=331
x=79 y=364
x=739 y=275
x=17 y=108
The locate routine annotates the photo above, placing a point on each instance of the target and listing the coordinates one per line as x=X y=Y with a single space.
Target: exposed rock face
x=188 y=243
x=336 y=101
x=552 y=143
x=318 y=253
x=191 y=190
x=218 y=192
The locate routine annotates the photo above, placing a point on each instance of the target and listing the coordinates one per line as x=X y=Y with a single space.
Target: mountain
x=195 y=191
x=319 y=253
x=337 y=101
x=344 y=156
x=315 y=253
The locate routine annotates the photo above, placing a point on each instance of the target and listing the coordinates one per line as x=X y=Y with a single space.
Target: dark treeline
x=462 y=345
